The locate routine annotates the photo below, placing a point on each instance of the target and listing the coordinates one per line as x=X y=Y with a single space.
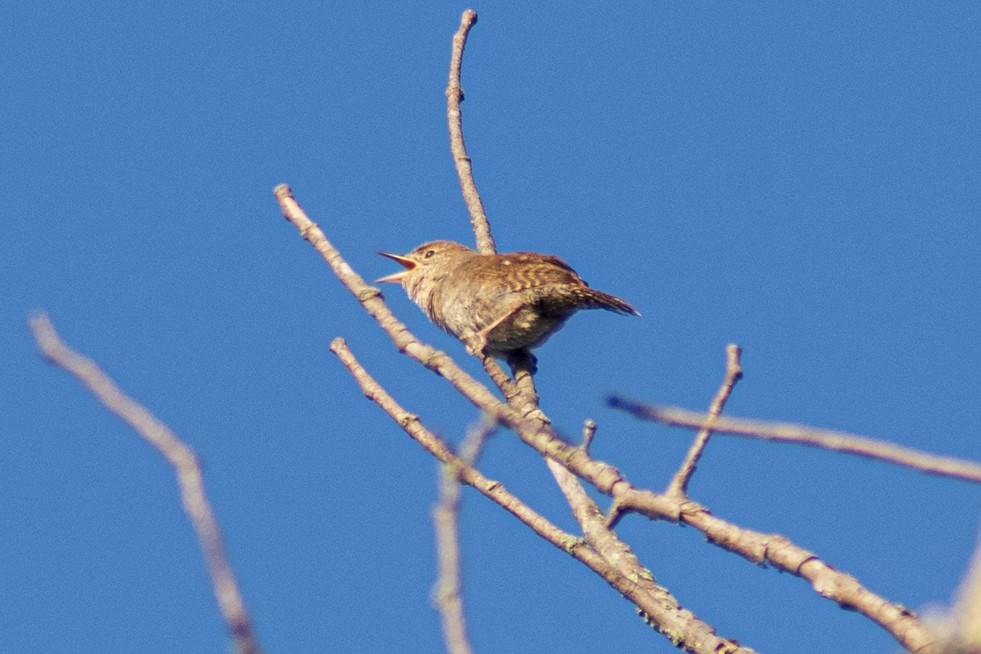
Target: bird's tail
x=600 y=300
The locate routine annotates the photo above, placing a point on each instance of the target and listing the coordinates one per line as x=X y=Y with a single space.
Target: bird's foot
x=475 y=344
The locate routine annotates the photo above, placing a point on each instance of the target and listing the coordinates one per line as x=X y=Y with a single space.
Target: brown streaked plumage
x=496 y=303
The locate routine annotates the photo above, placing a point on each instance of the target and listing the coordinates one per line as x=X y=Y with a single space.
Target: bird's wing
x=524 y=270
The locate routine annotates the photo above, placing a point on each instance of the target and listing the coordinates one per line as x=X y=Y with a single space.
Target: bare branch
x=588 y=433
x=543 y=439
x=446 y=591
x=597 y=531
x=734 y=372
x=454 y=116
x=522 y=396
x=781 y=553
x=410 y=424
x=185 y=463
x=757 y=547
x=532 y=428
x=521 y=393
x=500 y=378
x=656 y=604
x=682 y=627
x=803 y=435
x=476 y=438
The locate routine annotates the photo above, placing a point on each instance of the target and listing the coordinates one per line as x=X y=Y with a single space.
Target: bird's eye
x=429 y=254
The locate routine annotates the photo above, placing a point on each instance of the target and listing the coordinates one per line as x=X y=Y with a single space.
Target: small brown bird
x=496 y=303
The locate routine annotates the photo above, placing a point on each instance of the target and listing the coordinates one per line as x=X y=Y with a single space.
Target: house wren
x=496 y=303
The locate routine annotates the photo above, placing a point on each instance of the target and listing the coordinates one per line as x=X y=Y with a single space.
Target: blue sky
x=803 y=182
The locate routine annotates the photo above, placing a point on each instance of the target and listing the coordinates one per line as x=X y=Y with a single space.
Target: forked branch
x=781 y=432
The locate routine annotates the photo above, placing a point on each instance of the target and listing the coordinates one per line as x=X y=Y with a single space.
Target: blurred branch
x=811 y=436
x=961 y=628
x=180 y=456
x=446 y=592
x=454 y=116
x=679 y=483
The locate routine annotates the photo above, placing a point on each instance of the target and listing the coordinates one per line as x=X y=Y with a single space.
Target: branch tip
x=283 y=191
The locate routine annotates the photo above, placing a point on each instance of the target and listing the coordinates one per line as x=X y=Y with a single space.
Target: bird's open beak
x=400 y=275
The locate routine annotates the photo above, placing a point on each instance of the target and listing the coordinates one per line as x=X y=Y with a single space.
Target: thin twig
x=525 y=398
x=446 y=592
x=803 y=435
x=588 y=432
x=454 y=116
x=185 y=463
x=476 y=438
x=499 y=377
x=678 y=485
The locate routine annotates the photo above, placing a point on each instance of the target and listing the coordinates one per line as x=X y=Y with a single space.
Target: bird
x=496 y=304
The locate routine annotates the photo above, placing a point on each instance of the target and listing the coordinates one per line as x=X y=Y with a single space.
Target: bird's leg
x=523 y=360
x=477 y=342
